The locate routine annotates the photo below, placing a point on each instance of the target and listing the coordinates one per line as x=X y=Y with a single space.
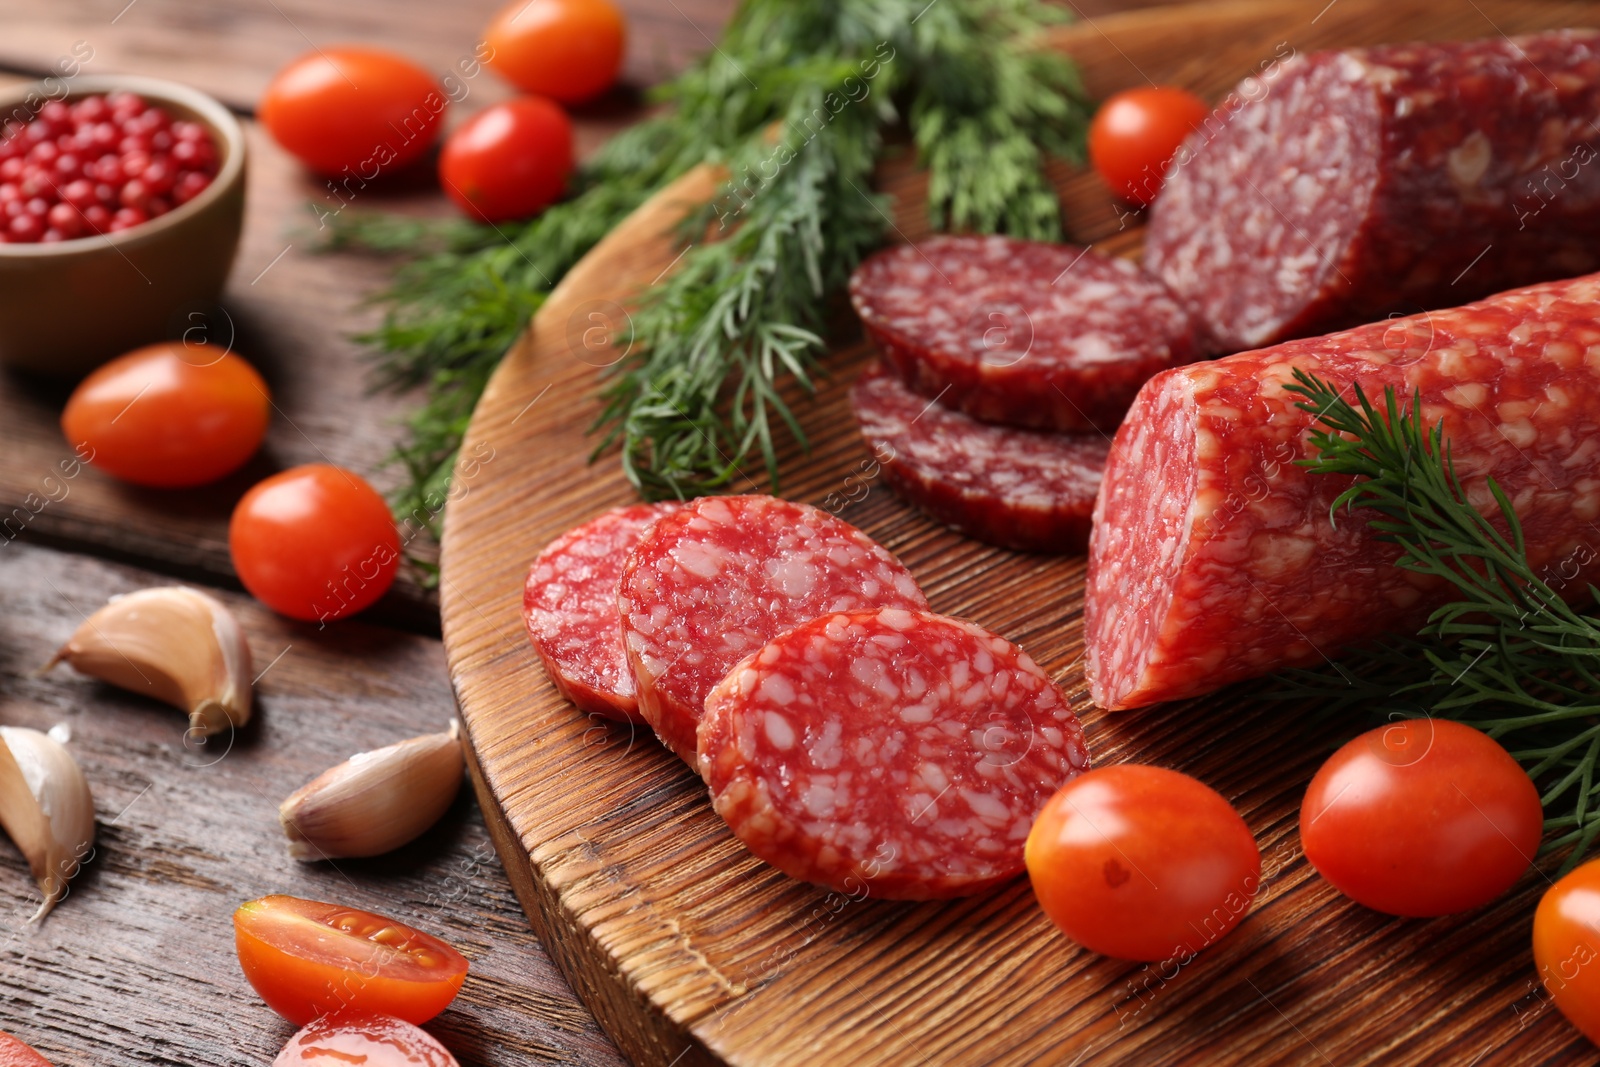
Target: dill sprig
x=794 y=101
x=1510 y=656
x=986 y=123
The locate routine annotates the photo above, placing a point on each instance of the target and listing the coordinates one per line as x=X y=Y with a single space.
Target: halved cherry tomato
x=14 y=1053
x=314 y=542
x=569 y=50
x=361 y=108
x=1135 y=134
x=169 y=415
x=348 y=1038
x=509 y=161
x=1142 y=863
x=1421 y=817
x=1566 y=946
x=308 y=959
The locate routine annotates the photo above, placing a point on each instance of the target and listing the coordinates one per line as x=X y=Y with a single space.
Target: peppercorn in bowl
x=121 y=206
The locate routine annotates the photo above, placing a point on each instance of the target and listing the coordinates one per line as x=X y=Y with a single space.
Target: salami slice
x=1021 y=489
x=1342 y=186
x=1024 y=333
x=719 y=579
x=891 y=753
x=570 y=606
x=1213 y=557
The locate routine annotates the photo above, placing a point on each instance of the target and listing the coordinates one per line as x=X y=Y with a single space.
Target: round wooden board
x=690 y=951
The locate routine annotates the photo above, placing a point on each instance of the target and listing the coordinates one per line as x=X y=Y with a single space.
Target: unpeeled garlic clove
x=374 y=801
x=172 y=643
x=46 y=809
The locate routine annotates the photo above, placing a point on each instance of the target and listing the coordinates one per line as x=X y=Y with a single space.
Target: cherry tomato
x=1135 y=134
x=371 y=1040
x=509 y=161
x=1566 y=946
x=14 y=1053
x=1421 y=817
x=361 y=108
x=314 y=542
x=169 y=415
x=308 y=959
x=569 y=50
x=1142 y=863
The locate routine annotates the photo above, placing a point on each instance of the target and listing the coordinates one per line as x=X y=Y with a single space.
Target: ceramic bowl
x=68 y=306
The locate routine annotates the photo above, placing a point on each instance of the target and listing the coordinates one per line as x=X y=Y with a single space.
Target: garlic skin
x=172 y=643
x=375 y=801
x=46 y=808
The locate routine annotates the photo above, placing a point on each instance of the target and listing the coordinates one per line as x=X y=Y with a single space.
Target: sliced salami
x=1024 y=333
x=1213 y=556
x=570 y=606
x=1024 y=489
x=891 y=753
x=1347 y=185
x=719 y=579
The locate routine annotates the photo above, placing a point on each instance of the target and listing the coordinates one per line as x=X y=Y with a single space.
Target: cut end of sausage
x=1263 y=201
x=1022 y=489
x=892 y=754
x=1142 y=523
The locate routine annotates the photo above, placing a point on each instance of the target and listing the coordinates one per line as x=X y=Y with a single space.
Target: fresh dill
x=796 y=102
x=1509 y=656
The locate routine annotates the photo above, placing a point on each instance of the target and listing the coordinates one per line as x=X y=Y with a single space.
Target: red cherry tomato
x=569 y=50
x=169 y=415
x=14 y=1053
x=309 y=959
x=1566 y=946
x=509 y=161
x=370 y=1040
x=1135 y=134
x=314 y=542
x=1421 y=817
x=1142 y=863
x=361 y=108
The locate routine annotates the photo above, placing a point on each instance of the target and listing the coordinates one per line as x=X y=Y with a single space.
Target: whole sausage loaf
x=1353 y=184
x=1213 y=557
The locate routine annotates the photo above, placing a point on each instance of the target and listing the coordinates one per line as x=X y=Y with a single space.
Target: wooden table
x=137 y=965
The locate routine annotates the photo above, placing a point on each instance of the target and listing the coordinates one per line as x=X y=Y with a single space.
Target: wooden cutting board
x=691 y=951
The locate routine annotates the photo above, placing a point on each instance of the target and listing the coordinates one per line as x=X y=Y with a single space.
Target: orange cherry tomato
x=308 y=959
x=1142 y=863
x=509 y=161
x=14 y=1053
x=369 y=1040
x=1135 y=134
x=169 y=415
x=1566 y=946
x=361 y=108
x=1421 y=817
x=314 y=542
x=569 y=50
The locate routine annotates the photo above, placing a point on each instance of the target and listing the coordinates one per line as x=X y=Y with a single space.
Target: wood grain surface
x=290 y=311
x=292 y=317
x=230 y=49
x=137 y=965
x=690 y=951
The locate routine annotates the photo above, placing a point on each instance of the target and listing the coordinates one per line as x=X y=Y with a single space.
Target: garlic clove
x=46 y=808
x=172 y=643
x=375 y=801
